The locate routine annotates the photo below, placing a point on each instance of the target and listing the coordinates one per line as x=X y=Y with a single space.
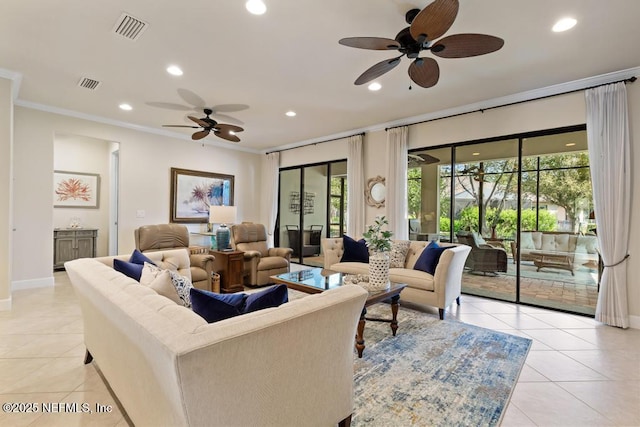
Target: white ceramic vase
x=379 y=271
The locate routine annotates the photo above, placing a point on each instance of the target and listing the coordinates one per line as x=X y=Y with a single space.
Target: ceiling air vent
x=88 y=83
x=129 y=27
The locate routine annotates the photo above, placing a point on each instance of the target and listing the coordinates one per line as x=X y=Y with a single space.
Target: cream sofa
x=556 y=249
x=439 y=290
x=291 y=365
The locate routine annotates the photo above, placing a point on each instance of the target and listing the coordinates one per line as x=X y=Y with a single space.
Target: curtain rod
x=482 y=110
x=316 y=143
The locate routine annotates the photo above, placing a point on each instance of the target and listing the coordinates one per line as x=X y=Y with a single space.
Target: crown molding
x=16 y=81
x=127 y=125
x=530 y=95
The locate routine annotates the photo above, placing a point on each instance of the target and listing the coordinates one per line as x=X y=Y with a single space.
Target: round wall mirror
x=376 y=192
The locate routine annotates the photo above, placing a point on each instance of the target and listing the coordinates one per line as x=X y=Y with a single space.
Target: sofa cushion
x=128 y=268
x=214 y=307
x=526 y=240
x=429 y=258
x=160 y=281
x=351 y=267
x=181 y=284
x=398 y=253
x=354 y=251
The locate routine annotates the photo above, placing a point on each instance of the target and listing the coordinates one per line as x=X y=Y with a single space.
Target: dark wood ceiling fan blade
x=373 y=43
x=435 y=19
x=222 y=127
x=226 y=135
x=199 y=135
x=180 y=126
x=466 y=45
x=424 y=72
x=377 y=70
x=202 y=123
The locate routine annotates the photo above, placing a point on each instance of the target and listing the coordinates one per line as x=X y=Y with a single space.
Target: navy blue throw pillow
x=138 y=257
x=428 y=259
x=213 y=307
x=272 y=297
x=354 y=251
x=128 y=268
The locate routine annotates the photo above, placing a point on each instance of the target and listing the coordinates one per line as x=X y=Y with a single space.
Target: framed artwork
x=192 y=192
x=76 y=190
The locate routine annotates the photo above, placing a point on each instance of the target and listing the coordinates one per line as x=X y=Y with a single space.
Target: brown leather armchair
x=260 y=261
x=159 y=237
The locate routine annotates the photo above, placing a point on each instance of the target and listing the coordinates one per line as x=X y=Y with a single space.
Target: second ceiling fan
x=426 y=26
x=208 y=125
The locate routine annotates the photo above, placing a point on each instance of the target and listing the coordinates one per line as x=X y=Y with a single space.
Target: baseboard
x=634 y=322
x=5 y=304
x=43 y=282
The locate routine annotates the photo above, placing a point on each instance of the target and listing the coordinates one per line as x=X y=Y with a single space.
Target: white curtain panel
x=609 y=157
x=396 y=182
x=355 y=186
x=270 y=177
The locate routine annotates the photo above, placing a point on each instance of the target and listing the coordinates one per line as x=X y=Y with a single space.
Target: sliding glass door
x=312 y=205
x=524 y=205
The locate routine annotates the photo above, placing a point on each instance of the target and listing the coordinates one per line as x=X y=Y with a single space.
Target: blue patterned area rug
x=434 y=373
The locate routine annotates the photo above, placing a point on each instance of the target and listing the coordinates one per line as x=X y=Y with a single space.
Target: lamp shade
x=222 y=214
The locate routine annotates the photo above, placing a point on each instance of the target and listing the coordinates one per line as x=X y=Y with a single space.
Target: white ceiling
x=289 y=58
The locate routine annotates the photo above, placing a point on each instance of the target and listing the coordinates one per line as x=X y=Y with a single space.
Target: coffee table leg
x=360 y=334
x=394 y=313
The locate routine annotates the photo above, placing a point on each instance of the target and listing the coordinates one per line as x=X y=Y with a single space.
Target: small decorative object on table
x=356 y=279
x=379 y=242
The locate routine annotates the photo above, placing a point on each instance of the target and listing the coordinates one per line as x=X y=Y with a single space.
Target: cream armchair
x=260 y=261
x=151 y=238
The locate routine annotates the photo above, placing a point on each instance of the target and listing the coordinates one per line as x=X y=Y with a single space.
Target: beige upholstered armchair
x=150 y=238
x=260 y=261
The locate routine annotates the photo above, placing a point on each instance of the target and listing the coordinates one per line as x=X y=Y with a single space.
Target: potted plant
x=379 y=243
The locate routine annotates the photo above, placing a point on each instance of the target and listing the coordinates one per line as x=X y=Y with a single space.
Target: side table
x=230 y=265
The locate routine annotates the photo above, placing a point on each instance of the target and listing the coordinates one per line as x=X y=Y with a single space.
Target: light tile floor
x=578 y=371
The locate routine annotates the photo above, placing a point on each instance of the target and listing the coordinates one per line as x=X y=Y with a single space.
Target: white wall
x=6 y=195
x=145 y=163
x=549 y=113
x=74 y=153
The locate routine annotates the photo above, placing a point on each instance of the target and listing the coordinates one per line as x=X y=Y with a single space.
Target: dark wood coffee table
x=316 y=280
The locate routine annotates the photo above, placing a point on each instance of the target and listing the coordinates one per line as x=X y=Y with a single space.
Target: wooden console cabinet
x=229 y=264
x=70 y=243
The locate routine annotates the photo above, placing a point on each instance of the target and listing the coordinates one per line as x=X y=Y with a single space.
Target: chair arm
x=281 y=252
x=249 y=255
x=201 y=260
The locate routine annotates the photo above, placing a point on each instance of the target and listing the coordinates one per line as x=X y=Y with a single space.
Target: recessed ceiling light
x=256 y=7
x=126 y=107
x=564 y=24
x=570 y=144
x=375 y=86
x=291 y=113
x=174 y=70
x=476 y=154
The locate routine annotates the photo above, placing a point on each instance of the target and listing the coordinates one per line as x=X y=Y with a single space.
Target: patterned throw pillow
x=181 y=284
x=160 y=281
x=398 y=254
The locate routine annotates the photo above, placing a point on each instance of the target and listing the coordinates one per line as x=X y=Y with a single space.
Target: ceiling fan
x=221 y=130
x=196 y=103
x=426 y=26
x=420 y=159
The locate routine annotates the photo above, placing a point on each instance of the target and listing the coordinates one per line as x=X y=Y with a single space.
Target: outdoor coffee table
x=552 y=260
x=316 y=280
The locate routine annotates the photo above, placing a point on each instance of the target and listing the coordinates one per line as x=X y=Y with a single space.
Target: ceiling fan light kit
x=426 y=26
